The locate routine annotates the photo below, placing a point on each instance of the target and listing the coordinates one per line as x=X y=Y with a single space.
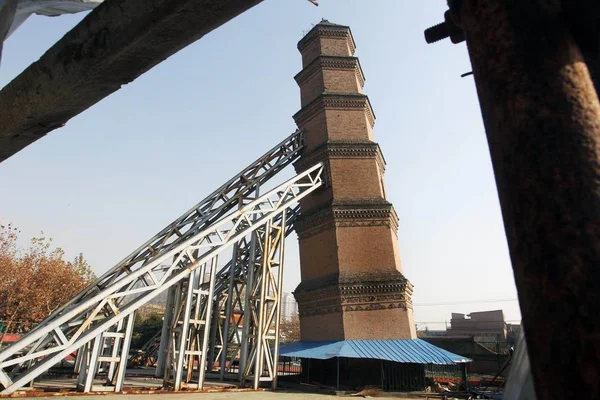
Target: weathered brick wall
x=319 y=255
x=352 y=286
x=348 y=124
x=310 y=51
x=366 y=248
x=317 y=327
x=335 y=46
x=379 y=324
x=355 y=178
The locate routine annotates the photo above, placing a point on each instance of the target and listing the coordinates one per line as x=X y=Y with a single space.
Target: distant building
x=481 y=336
x=289 y=307
x=431 y=333
x=513 y=332
x=484 y=326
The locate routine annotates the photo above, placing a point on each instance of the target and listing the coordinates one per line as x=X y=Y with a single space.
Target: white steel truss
x=262 y=315
x=199 y=311
x=183 y=260
x=238 y=191
x=228 y=335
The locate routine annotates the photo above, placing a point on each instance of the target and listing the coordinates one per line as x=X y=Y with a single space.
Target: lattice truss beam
x=201 y=333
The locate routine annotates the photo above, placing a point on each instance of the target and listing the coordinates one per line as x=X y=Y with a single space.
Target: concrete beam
x=112 y=46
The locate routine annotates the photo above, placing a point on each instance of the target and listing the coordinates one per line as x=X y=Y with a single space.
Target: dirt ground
x=266 y=395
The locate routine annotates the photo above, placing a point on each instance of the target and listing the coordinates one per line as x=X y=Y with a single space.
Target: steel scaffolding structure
x=201 y=333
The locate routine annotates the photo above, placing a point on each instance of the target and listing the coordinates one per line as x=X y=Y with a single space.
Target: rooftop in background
x=409 y=351
x=494 y=315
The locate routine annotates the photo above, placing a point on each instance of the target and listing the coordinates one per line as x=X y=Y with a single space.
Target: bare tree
x=289 y=330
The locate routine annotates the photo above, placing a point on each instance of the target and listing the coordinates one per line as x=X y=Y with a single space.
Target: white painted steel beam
x=120 y=293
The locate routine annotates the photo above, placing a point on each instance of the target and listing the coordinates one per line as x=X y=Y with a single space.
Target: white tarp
x=519 y=385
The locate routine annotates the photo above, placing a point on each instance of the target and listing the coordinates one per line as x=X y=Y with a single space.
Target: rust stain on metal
x=542 y=119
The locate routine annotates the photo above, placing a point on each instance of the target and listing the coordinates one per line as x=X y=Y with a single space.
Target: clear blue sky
x=122 y=170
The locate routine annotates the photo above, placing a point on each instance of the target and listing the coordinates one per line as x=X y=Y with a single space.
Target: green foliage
x=144 y=328
x=82 y=268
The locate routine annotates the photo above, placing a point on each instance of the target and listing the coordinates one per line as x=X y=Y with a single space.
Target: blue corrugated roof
x=413 y=351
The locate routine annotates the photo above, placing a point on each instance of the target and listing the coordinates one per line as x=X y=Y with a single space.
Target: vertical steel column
x=174 y=333
x=542 y=119
x=260 y=309
x=182 y=345
x=164 y=336
x=126 y=343
x=85 y=357
x=215 y=342
x=248 y=334
x=247 y=318
x=264 y=306
x=87 y=375
x=78 y=360
x=196 y=320
x=278 y=294
x=228 y=311
x=208 y=319
x=116 y=346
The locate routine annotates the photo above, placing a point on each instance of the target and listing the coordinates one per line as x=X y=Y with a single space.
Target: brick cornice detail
x=331 y=62
x=366 y=212
x=345 y=149
x=328 y=31
x=335 y=101
x=362 y=292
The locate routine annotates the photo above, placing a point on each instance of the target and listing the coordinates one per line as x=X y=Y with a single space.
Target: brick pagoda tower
x=352 y=285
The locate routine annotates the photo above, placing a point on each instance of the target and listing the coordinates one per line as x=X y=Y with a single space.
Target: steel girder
x=193 y=239
x=228 y=305
x=260 y=342
x=195 y=322
x=234 y=193
x=230 y=342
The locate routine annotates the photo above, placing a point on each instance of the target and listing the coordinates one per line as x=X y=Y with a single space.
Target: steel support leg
x=246 y=330
x=164 y=336
x=542 y=119
x=183 y=338
x=126 y=343
x=278 y=294
x=175 y=330
x=85 y=357
x=87 y=376
x=116 y=347
x=214 y=342
x=207 y=321
x=79 y=360
x=228 y=312
x=264 y=305
x=260 y=311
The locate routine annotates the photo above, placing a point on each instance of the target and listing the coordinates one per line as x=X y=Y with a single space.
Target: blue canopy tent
x=409 y=351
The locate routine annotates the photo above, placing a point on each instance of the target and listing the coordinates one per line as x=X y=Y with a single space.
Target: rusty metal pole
x=583 y=21
x=542 y=120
